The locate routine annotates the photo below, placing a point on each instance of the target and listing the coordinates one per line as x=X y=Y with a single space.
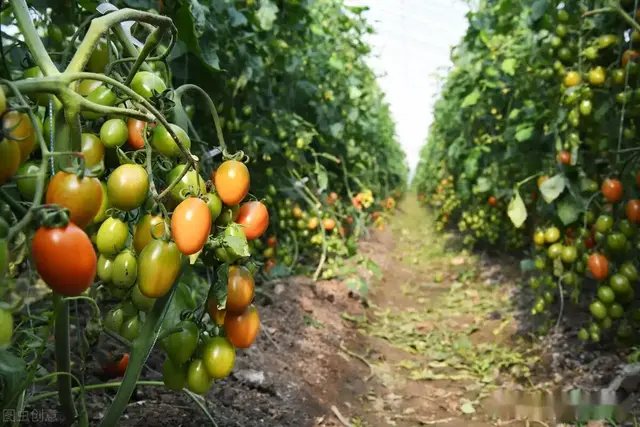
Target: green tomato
x=228 y=215
x=181 y=345
x=569 y=254
x=114 y=319
x=105 y=268
x=34 y=73
x=629 y=271
x=27 y=186
x=125 y=270
x=99 y=57
x=214 y=203
x=606 y=295
x=163 y=142
x=112 y=236
x=598 y=310
x=144 y=83
x=628 y=228
x=219 y=357
x=174 y=376
x=617 y=242
x=604 y=223
x=114 y=133
x=583 y=335
x=142 y=303
x=616 y=311
x=198 y=379
x=191 y=182
x=555 y=250
x=586 y=107
x=551 y=234
x=102 y=95
x=130 y=328
x=619 y=284
x=6 y=327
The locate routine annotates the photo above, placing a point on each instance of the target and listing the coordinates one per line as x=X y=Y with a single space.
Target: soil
x=435 y=330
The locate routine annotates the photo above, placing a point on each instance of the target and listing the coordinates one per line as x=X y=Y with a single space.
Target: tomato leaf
x=516 y=210
x=374 y=268
x=193 y=30
x=236 y=18
x=471 y=99
x=509 y=66
x=238 y=245
x=482 y=185
x=552 y=188
x=568 y=211
x=323 y=178
x=524 y=132
x=267 y=15
x=538 y=9
x=221 y=286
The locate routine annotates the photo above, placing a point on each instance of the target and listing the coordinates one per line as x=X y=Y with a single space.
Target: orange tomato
x=191 y=225
x=242 y=329
x=217 y=316
x=612 y=189
x=136 y=128
x=116 y=366
x=82 y=197
x=328 y=224
x=599 y=266
x=375 y=215
x=343 y=231
x=241 y=289
x=633 y=210
x=232 y=182
x=313 y=223
x=493 y=201
x=254 y=218
x=627 y=56
x=564 y=157
x=297 y=212
x=65 y=259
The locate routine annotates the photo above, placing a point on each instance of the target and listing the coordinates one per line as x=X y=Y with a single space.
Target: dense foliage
x=160 y=169
x=534 y=143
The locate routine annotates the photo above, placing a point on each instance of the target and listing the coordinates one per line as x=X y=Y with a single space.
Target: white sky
x=412 y=44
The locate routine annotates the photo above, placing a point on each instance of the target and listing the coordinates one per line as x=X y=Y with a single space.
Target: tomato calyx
x=239 y=156
x=52 y=216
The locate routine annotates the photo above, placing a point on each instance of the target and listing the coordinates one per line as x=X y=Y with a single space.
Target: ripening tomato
x=493 y=201
x=135 y=137
x=297 y=212
x=599 y=266
x=597 y=76
x=240 y=291
x=219 y=357
x=104 y=205
x=64 y=258
x=271 y=242
x=128 y=187
x=254 y=218
x=93 y=149
x=198 y=379
x=572 y=78
x=191 y=225
x=148 y=227
x=627 y=56
x=144 y=83
x=112 y=236
x=19 y=127
x=163 y=142
x=564 y=157
x=217 y=316
x=612 y=189
x=242 y=329
x=174 y=376
x=349 y=220
x=232 y=182
x=158 y=268
x=328 y=224
x=9 y=159
x=313 y=223
x=633 y=210
x=191 y=182
x=115 y=367
x=181 y=345
x=82 y=197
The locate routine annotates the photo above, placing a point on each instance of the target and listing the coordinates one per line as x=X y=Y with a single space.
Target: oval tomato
x=174 y=376
x=254 y=218
x=144 y=83
x=240 y=291
x=135 y=136
x=198 y=379
x=191 y=182
x=140 y=301
x=181 y=345
x=612 y=189
x=633 y=210
x=492 y=201
x=114 y=133
x=114 y=319
x=191 y=225
x=219 y=357
x=85 y=87
x=629 y=271
x=572 y=78
x=163 y=142
x=564 y=157
x=125 y=270
x=148 y=227
x=242 y=329
x=313 y=223
x=599 y=266
x=82 y=197
x=99 y=57
x=597 y=76
x=130 y=329
x=116 y=367
x=215 y=205
x=128 y=187
x=158 y=268
x=232 y=182
x=64 y=258
x=18 y=127
x=93 y=150
x=112 y=236
x=105 y=268
x=620 y=284
x=217 y=316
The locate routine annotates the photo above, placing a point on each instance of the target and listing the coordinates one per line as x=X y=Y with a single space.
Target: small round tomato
x=627 y=227
x=272 y=242
x=297 y=212
x=555 y=250
x=552 y=234
x=6 y=328
x=586 y=107
x=228 y=215
x=232 y=182
x=629 y=271
x=572 y=78
x=181 y=345
x=492 y=201
x=174 y=376
x=598 y=310
x=198 y=379
x=612 y=189
x=564 y=157
x=191 y=225
x=627 y=56
x=254 y=218
x=616 y=242
x=606 y=295
x=144 y=83
x=64 y=258
x=219 y=357
x=597 y=76
x=313 y=223
x=632 y=211
x=135 y=136
x=116 y=366
x=569 y=254
x=130 y=329
x=114 y=133
x=240 y=291
x=538 y=238
x=140 y=301
x=18 y=127
x=599 y=266
x=114 y=319
x=125 y=270
x=604 y=223
x=158 y=268
x=148 y=227
x=112 y=236
x=105 y=268
x=104 y=205
x=85 y=87
x=99 y=57
x=242 y=329
x=191 y=182
x=93 y=150
x=28 y=182
x=128 y=187
x=616 y=311
x=620 y=284
x=163 y=142
x=102 y=95
x=328 y=224
x=81 y=196
x=215 y=205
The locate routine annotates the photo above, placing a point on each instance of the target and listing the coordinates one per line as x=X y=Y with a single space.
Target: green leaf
x=323 y=178
x=471 y=99
x=197 y=35
x=524 y=132
x=483 y=185
x=238 y=245
x=267 y=14
x=374 y=268
x=509 y=66
x=514 y=113
x=516 y=210
x=568 y=211
x=354 y=92
x=236 y=18
x=182 y=300
x=538 y=9
x=552 y=188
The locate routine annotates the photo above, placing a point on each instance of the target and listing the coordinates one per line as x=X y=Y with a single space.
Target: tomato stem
x=179 y=92
x=153 y=40
x=94 y=387
x=63 y=361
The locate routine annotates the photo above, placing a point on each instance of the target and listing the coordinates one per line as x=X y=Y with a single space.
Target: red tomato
x=599 y=266
x=65 y=259
x=135 y=138
x=375 y=215
x=589 y=242
x=242 y=329
x=191 y=225
x=232 y=182
x=241 y=290
x=271 y=242
x=82 y=197
x=328 y=224
x=254 y=218
x=493 y=201
x=115 y=366
x=633 y=210
x=612 y=189
x=564 y=157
